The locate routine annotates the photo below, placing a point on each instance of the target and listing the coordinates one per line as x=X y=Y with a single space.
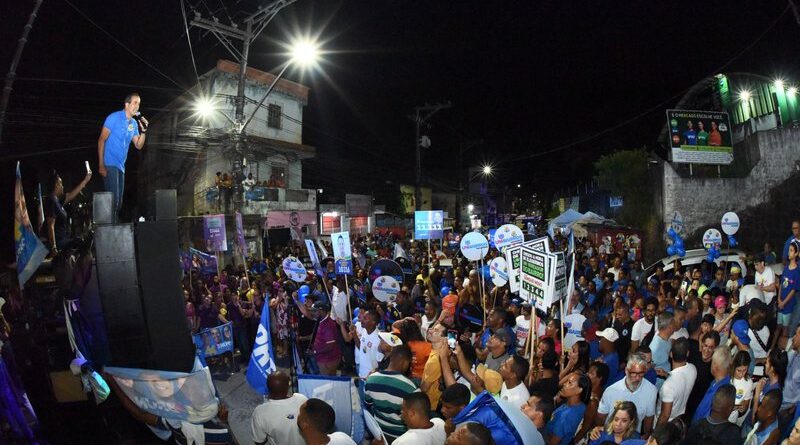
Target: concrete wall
x=703 y=201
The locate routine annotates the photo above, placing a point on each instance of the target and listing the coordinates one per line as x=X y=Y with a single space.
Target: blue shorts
x=783 y=319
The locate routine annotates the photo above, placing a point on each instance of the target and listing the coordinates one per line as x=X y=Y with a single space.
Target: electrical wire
x=189 y=39
x=657 y=106
x=111 y=36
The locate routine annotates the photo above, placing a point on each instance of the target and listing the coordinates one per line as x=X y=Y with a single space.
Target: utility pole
x=253 y=26
x=420 y=119
x=463 y=147
x=12 y=72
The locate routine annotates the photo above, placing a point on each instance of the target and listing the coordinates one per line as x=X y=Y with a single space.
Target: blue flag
x=30 y=250
x=262 y=360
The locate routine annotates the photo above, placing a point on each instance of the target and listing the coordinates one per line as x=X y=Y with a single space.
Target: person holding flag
x=262 y=359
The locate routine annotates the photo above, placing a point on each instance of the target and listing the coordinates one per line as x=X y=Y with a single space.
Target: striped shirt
x=384 y=392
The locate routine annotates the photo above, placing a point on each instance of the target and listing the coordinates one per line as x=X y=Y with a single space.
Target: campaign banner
x=558 y=280
x=498 y=271
x=474 y=246
x=312 y=254
x=535 y=273
x=730 y=223
x=342 y=254
x=187 y=397
x=541 y=244
x=262 y=359
x=214 y=233
x=342 y=395
x=241 y=244
x=429 y=224
x=513 y=264
x=199 y=261
x=30 y=252
x=712 y=238
x=215 y=341
x=700 y=137
x=507 y=235
x=385 y=289
x=294 y=269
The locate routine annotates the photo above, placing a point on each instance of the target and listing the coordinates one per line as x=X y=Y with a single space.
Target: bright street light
x=487 y=169
x=792 y=91
x=778 y=84
x=519 y=185
x=204 y=107
x=745 y=95
x=304 y=52
x=470 y=207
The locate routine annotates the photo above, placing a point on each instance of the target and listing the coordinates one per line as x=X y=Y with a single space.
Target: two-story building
x=194 y=153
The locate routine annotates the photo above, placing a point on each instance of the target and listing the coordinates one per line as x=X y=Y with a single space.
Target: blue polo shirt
x=122 y=131
x=704 y=408
x=612 y=360
x=565 y=422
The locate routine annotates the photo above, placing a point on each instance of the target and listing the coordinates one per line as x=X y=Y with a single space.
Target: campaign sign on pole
x=341 y=253
x=512 y=262
x=214 y=233
x=558 y=277
x=294 y=269
x=498 y=270
x=507 y=235
x=312 y=255
x=474 y=246
x=534 y=277
x=541 y=244
x=730 y=223
x=385 y=289
x=712 y=238
x=241 y=243
x=429 y=224
x=215 y=341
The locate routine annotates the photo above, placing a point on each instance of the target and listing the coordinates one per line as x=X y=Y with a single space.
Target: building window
x=331 y=223
x=274 y=116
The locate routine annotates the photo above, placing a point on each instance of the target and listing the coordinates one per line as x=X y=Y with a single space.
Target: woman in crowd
x=574 y=395
x=621 y=427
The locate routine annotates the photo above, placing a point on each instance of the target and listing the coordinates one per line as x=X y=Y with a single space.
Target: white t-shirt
x=338 y=438
x=677 y=387
x=368 y=355
x=338 y=305
x=765 y=279
x=744 y=391
x=644 y=398
x=522 y=329
x=516 y=396
x=680 y=333
x=426 y=323
x=431 y=436
x=763 y=334
x=573 y=330
x=276 y=421
x=640 y=329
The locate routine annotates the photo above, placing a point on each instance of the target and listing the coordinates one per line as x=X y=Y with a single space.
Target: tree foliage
x=626 y=173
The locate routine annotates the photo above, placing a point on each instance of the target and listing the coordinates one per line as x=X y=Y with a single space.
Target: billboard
x=700 y=137
x=429 y=224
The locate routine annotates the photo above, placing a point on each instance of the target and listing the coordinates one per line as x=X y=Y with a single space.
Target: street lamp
x=470 y=207
x=487 y=170
x=791 y=91
x=745 y=95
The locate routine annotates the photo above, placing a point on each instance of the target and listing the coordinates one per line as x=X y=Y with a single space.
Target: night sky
x=525 y=77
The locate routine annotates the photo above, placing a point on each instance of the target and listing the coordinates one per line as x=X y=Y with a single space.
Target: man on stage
x=119 y=129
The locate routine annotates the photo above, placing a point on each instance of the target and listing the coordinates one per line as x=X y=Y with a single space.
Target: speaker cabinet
x=162 y=296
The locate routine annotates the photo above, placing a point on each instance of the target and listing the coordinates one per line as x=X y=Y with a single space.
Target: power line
x=189 y=39
x=657 y=106
x=82 y=14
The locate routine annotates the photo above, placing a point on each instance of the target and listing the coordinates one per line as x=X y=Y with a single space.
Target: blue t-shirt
x=704 y=408
x=689 y=137
x=122 y=131
x=790 y=281
x=660 y=349
x=605 y=436
x=612 y=360
x=565 y=421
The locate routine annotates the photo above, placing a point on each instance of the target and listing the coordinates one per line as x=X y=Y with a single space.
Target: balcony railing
x=258 y=201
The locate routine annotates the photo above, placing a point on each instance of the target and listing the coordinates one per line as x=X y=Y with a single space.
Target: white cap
x=390 y=339
x=609 y=334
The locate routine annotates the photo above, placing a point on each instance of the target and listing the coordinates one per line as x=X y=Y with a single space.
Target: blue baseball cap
x=740 y=328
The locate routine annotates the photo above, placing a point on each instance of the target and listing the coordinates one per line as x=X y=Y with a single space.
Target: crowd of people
x=689 y=354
